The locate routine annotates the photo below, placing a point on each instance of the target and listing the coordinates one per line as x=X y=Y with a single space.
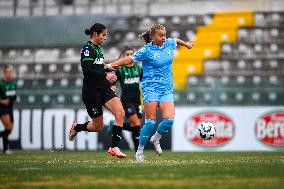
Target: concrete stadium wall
x=209 y=6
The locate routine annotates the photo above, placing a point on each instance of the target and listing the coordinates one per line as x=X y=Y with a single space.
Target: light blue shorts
x=152 y=96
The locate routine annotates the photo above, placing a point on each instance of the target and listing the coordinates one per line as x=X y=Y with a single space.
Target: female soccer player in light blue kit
x=157 y=83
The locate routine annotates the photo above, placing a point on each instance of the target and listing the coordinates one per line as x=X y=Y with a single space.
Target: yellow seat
x=208 y=40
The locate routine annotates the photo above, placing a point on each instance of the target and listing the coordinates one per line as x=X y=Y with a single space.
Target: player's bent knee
x=119 y=115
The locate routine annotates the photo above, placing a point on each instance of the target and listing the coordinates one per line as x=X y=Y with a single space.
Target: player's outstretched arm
x=187 y=44
x=118 y=63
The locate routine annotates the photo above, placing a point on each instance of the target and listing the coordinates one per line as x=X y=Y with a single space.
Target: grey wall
x=47 y=31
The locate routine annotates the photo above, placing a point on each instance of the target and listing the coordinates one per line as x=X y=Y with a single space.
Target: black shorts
x=7 y=110
x=131 y=108
x=94 y=101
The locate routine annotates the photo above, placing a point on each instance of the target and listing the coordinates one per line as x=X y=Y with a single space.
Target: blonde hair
x=146 y=36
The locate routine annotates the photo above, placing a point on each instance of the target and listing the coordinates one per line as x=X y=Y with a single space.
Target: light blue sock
x=146 y=131
x=164 y=126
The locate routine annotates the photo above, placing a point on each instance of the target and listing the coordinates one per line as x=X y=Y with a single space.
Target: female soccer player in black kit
x=97 y=92
x=8 y=96
x=129 y=77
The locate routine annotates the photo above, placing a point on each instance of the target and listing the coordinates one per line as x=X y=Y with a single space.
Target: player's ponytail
x=146 y=36
x=88 y=32
x=96 y=28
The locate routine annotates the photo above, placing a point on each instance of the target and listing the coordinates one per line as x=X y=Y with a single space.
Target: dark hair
x=146 y=36
x=97 y=27
x=127 y=48
x=7 y=66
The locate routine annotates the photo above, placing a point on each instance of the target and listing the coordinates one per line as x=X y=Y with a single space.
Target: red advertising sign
x=269 y=128
x=224 y=125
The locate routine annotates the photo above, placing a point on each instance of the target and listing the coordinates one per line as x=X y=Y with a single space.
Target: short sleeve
x=1 y=91
x=117 y=73
x=140 y=55
x=86 y=54
x=172 y=43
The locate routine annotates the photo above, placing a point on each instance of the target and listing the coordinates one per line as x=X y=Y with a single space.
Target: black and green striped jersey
x=129 y=79
x=8 y=90
x=92 y=63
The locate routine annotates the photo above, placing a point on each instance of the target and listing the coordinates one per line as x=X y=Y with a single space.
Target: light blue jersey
x=157 y=82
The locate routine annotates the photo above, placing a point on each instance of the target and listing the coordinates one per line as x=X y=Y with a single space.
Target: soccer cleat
x=139 y=156
x=116 y=152
x=109 y=129
x=157 y=145
x=72 y=133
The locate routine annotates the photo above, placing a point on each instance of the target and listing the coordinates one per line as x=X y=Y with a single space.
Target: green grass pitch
x=63 y=169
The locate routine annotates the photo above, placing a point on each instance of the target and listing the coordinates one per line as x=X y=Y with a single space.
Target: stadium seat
x=273 y=48
x=78 y=82
x=274 y=32
x=207 y=97
x=223 y=96
x=161 y=20
x=239 y=97
x=22 y=69
x=256 y=80
x=241 y=64
x=273 y=80
x=46 y=99
x=31 y=99
x=38 y=68
x=272 y=96
x=257 y=64
x=191 y=97
x=176 y=20
x=52 y=68
x=255 y=96
x=20 y=83
x=191 y=19
x=67 y=68
x=61 y=98
x=64 y=83
x=192 y=81
x=273 y=63
x=76 y=99
x=175 y=34
x=240 y=80
x=49 y=83
x=12 y=53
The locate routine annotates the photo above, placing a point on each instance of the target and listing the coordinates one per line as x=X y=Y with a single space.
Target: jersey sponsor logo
x=86 y=53
x=156 y=55
x=225 y=128
x=98 y=61
x=95 y=111
x=131 y=80
x=11 y=93
x=269 y=128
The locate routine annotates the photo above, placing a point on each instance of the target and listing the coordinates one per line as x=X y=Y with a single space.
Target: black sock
x=6 y=140
x=2 y=133
x=116 y=135
x=135 y=136
x=81 y=127
x=127 y=126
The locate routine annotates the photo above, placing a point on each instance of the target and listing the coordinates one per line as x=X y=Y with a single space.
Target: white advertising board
x=237 y=129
